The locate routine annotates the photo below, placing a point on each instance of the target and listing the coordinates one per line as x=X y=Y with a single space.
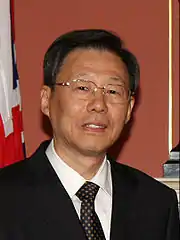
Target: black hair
x=93 y=39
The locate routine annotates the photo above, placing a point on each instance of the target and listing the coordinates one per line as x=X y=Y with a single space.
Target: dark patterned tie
x=88 y=216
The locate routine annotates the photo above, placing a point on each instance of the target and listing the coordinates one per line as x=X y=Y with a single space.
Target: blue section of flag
x=15 y=72
x=14 y=67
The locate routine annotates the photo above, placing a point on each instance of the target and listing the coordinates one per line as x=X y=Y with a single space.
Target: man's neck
x=86 y=165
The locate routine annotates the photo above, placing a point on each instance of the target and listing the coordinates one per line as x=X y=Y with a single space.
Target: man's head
x=89 y=83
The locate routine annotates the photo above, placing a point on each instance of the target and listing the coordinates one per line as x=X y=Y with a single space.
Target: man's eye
x=113 y=92
x=83 y=88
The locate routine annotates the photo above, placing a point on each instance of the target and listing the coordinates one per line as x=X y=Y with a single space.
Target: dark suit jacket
x=35 y=206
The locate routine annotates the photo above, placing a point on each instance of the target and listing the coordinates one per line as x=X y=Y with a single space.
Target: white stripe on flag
x=8 y=96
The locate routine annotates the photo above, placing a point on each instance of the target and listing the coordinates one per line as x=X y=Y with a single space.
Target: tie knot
x=88 y=191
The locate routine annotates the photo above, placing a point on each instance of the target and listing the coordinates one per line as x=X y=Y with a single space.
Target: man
x=69 y=189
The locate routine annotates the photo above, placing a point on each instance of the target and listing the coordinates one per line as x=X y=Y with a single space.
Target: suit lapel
x=55 y=206
x=124 y=188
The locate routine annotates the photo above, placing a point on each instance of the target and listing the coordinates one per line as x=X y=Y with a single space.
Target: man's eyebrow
x=82 y=74
x=118 y=78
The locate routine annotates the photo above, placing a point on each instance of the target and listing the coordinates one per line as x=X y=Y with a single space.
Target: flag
x=11 y=130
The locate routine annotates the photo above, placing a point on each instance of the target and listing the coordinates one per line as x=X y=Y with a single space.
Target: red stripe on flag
x=11 y=148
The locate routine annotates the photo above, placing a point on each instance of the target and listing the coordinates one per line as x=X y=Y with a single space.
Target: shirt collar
x=72 y=180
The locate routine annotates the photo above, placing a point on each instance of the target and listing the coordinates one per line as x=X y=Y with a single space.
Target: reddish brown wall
x=144 y=27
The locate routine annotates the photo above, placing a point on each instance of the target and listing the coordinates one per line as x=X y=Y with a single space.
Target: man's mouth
x=95 y=126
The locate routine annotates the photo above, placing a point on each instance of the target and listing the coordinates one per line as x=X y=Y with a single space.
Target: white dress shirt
x=72 y=181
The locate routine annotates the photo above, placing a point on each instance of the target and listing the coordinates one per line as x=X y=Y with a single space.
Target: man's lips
x=94 y=126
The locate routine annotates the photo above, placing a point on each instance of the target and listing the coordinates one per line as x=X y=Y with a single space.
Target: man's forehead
x=82 y=54
x=96 y=60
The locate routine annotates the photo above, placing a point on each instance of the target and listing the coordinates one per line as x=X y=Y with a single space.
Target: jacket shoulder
x=20 y=172
x=146 y=185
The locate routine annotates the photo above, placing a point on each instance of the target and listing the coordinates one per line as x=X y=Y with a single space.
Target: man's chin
x=94 y=151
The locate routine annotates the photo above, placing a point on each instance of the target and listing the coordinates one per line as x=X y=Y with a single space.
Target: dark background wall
x=143 y=25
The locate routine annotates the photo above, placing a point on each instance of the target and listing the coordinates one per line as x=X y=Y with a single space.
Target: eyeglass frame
x=68 y=84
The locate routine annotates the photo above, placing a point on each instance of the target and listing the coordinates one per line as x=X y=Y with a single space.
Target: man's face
x=87 y=126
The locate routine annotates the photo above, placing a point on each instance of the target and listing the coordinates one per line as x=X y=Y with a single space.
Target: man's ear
x=130 y=108
x=45 y=99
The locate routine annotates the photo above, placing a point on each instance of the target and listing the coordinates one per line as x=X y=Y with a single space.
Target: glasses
x=83 y=89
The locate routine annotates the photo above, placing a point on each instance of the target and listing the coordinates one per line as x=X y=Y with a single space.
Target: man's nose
x=97 y=102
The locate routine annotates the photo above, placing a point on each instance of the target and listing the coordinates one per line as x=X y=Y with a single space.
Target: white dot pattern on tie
x=89 y=219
